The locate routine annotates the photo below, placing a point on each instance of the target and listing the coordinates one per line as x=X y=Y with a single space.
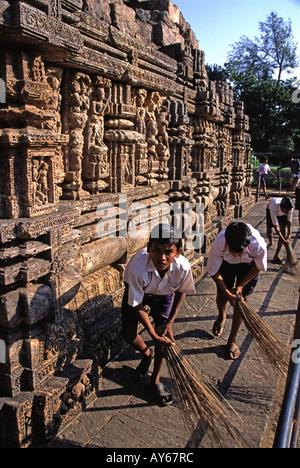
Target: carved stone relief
x=102 y=98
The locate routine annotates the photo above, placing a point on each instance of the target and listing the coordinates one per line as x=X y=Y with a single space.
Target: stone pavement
x=125 y=415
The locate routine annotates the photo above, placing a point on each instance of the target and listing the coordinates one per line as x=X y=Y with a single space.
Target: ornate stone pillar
x=95 y=171
x=31 y=144
x=77 y=91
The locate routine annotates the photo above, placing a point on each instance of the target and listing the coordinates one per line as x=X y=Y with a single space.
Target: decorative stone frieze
x=109 y=122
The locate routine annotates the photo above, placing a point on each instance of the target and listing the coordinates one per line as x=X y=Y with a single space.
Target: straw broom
x=291 y=257
x=291 y=265
x=200 y=407
x=276 y=351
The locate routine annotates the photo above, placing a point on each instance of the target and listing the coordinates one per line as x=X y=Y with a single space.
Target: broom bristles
x=291 y=257
x=200 y=407
x=276 y=351
x=291 y=265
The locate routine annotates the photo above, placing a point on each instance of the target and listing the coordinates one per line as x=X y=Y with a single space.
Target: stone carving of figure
x=54 y=123
x=54 y=98
x=151 y=139
x=140 y=124
x=42 y=187
x=37 y=71
x=95 y=164
x=79 y=103
x=152 y=105
x=35 y=176
x=100 y=100
x=127 y=166
x=162 y=148
x=162 y=123
x=152 y=128
x=163 y=154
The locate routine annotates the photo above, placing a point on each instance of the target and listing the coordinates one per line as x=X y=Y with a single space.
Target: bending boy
x=264 y=169
x=235 y=260
x=159 y=277
x=280 y=217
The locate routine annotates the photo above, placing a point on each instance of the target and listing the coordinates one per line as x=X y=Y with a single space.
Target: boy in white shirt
x=159 y=277
x=264 y=169
x=235 y=260
x=280 y=217
x=297 y=203
x=295 y=185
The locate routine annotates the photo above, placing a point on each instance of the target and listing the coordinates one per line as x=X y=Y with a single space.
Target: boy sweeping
x=263 y=170
x=159 y=277
x=280 y=217
x=235 y=260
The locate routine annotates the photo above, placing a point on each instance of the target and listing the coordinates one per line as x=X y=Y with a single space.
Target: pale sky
x=219 y=23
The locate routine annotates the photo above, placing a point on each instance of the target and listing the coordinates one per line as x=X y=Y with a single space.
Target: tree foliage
x=255 y=69
x=274 y=52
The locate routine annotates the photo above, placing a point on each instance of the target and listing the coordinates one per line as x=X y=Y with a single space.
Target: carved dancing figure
x=162 y=124
x=140 y=124
x=35 y=176
x=79 y=104
x=54 y=98
x=43 y=181
x=95 y=163
x=100 y=100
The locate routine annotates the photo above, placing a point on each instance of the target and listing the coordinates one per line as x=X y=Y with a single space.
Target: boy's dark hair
x=238 y=236
x=165 y=234
x=287 y=203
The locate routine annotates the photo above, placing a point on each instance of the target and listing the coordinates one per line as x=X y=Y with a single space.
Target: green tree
x=277 y=41
x=274 y=52
x=255 y=69
x=274 y=117
x=217 y=73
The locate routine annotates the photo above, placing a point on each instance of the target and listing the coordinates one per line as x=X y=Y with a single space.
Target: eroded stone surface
x=102 y=98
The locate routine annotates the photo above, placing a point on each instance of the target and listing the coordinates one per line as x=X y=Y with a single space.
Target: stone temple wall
x=102 y=98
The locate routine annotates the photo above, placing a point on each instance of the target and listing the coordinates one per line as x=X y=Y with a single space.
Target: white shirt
x=275 y=211
x=142 y=277
x=256 y=251
x=263 y=168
